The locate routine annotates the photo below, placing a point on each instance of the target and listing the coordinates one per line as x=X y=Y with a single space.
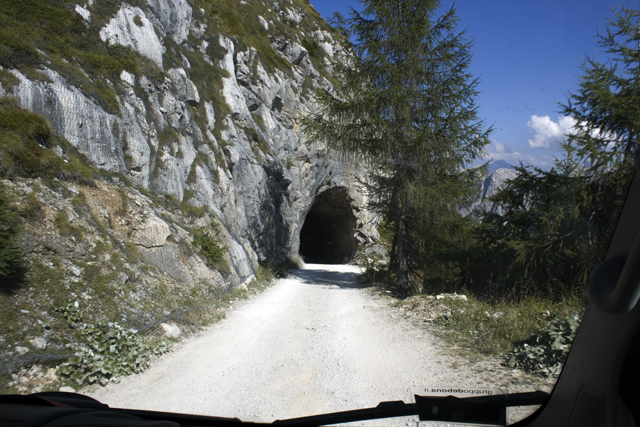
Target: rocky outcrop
x=86 y=125
x=489 y=187
x=235 y=150
x=496 y=181
x=131 y=27
x=173 y=16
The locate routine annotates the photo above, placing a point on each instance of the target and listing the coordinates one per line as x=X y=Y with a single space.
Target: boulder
x=171 y=330
x=152 y=233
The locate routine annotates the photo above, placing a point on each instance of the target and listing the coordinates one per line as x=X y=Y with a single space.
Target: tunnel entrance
x=327 y=236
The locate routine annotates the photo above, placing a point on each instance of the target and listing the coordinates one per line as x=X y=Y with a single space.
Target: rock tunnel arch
x=328 y=233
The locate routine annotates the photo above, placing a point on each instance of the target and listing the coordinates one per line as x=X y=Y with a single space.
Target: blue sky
x=527 y=54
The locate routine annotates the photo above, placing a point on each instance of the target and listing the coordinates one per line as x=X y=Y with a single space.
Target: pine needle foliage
x=556 y=225
x=606 y=106
x=406 y=107
x=554 y=229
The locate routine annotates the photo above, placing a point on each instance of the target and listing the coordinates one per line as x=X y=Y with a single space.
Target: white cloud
x=497 y=147
x=546 y=131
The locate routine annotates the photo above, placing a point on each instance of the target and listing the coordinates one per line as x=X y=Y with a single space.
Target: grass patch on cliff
x=241 y=22
x=211 y=247
x=189 y=210
x=256 y=140
x=49 y=33
x=27 y=144
x=8 y=80
x=206 y=77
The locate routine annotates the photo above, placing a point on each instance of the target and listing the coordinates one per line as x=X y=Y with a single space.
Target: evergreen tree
x=554 y=228
x=557 y=224
x=10 y=236
x=406 y=107
x=606 y=107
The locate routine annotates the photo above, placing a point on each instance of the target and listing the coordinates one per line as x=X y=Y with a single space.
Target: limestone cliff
x=211 y=119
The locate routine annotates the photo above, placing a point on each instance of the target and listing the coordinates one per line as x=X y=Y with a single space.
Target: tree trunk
x=401 y=247
x=393 y=254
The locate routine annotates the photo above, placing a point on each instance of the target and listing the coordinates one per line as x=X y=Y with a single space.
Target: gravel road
x=314 y=342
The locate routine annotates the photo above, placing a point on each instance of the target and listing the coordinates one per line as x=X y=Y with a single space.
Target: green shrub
x=295 y=263
x=71 y=313
x=264 y=275
x=546 y=352
x=312 y=46
x=26 y=143
x=124 y=202
x=10 y=235
x=8 y=80
x=65 y=227
x=33 y=209
x=374 y=263
x=290 y=163
x=256 y=140
x=259 y=120
x=190 y=210
x=280 y=269
x=211 y=247
x=62 y=221
x=111 y=351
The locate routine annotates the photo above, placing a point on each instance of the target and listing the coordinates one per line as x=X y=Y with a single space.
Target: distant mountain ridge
x=498 y=164
x=498 y=172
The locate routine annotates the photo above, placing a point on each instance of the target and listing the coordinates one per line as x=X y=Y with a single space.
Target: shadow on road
x=326 y=277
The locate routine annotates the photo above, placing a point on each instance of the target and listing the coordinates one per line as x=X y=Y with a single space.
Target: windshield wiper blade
x=384 y=410
x=478 y=410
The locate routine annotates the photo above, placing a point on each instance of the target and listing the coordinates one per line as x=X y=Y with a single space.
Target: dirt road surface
x=313 y=343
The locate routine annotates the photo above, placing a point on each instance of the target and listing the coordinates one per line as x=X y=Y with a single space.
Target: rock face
x=496 y=180
x=130 y=27
x=174 y=17
x=235 y=150
x=489 y=187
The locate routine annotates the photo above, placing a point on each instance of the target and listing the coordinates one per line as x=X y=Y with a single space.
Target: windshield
x=270 y=210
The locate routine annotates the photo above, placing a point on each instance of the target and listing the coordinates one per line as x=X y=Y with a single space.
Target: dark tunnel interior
x=327 y=236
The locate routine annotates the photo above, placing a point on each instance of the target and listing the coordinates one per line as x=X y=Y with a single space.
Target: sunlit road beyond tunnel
x=327 y=236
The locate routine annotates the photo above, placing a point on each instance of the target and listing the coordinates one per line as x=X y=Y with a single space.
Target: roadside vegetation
x=523 y=271
x=10 y=236
x=109 y=350
x=532 y=334
x=72 y=317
